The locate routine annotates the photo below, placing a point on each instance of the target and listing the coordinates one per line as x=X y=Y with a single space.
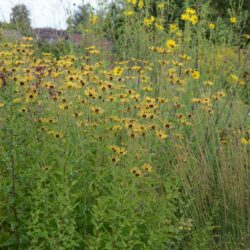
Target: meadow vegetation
x=143 y=147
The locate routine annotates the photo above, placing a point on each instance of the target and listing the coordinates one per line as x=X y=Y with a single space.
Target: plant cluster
x=149 y=151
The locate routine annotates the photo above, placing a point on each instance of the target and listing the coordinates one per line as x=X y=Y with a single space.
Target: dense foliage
x=146 y=146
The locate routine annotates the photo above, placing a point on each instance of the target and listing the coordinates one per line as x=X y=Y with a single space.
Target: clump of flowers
x=190 y=16
x=148 y=21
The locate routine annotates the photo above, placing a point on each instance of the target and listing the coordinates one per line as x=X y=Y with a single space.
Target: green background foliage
x=62 y=184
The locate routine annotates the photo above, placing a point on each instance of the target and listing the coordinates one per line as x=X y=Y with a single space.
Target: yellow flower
x=195 y=74
x=159 y=26
x=117 y=128
x=233 y=20
x=23 y=110
x=194 y=19
x=1 y=104
x=117 y=71
x=55 y=134
x=173 y=27
x=128 y=12
x=212 y=26
x=185 y=17
x=63 y=106
x=72 y=85
x=208 y=83
x=190 y=16
x=171 y=44
x=97 y=110
x=118 y=150
x=185 y=57
x=132 y=1
x=141 y=4
x=161 y=135
x=149 y=21
x=136 y=172
x=235 y=77
x=94 y=19
x=147 y=167
x=190 y=11
x=245 y=141
x=115 y=158
x=27 y=38
x=91 y=92
x=30 y=96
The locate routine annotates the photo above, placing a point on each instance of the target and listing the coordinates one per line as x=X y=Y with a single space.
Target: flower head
x=233 y=20
x=149 y=21
x=171 y=44
x=212 y=26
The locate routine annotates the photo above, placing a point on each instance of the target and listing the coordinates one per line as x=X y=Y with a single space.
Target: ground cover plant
x=145 y=147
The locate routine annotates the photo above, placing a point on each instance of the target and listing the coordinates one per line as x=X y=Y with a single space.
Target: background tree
x=114 y=20
x=79 y=17
x=20 y=19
